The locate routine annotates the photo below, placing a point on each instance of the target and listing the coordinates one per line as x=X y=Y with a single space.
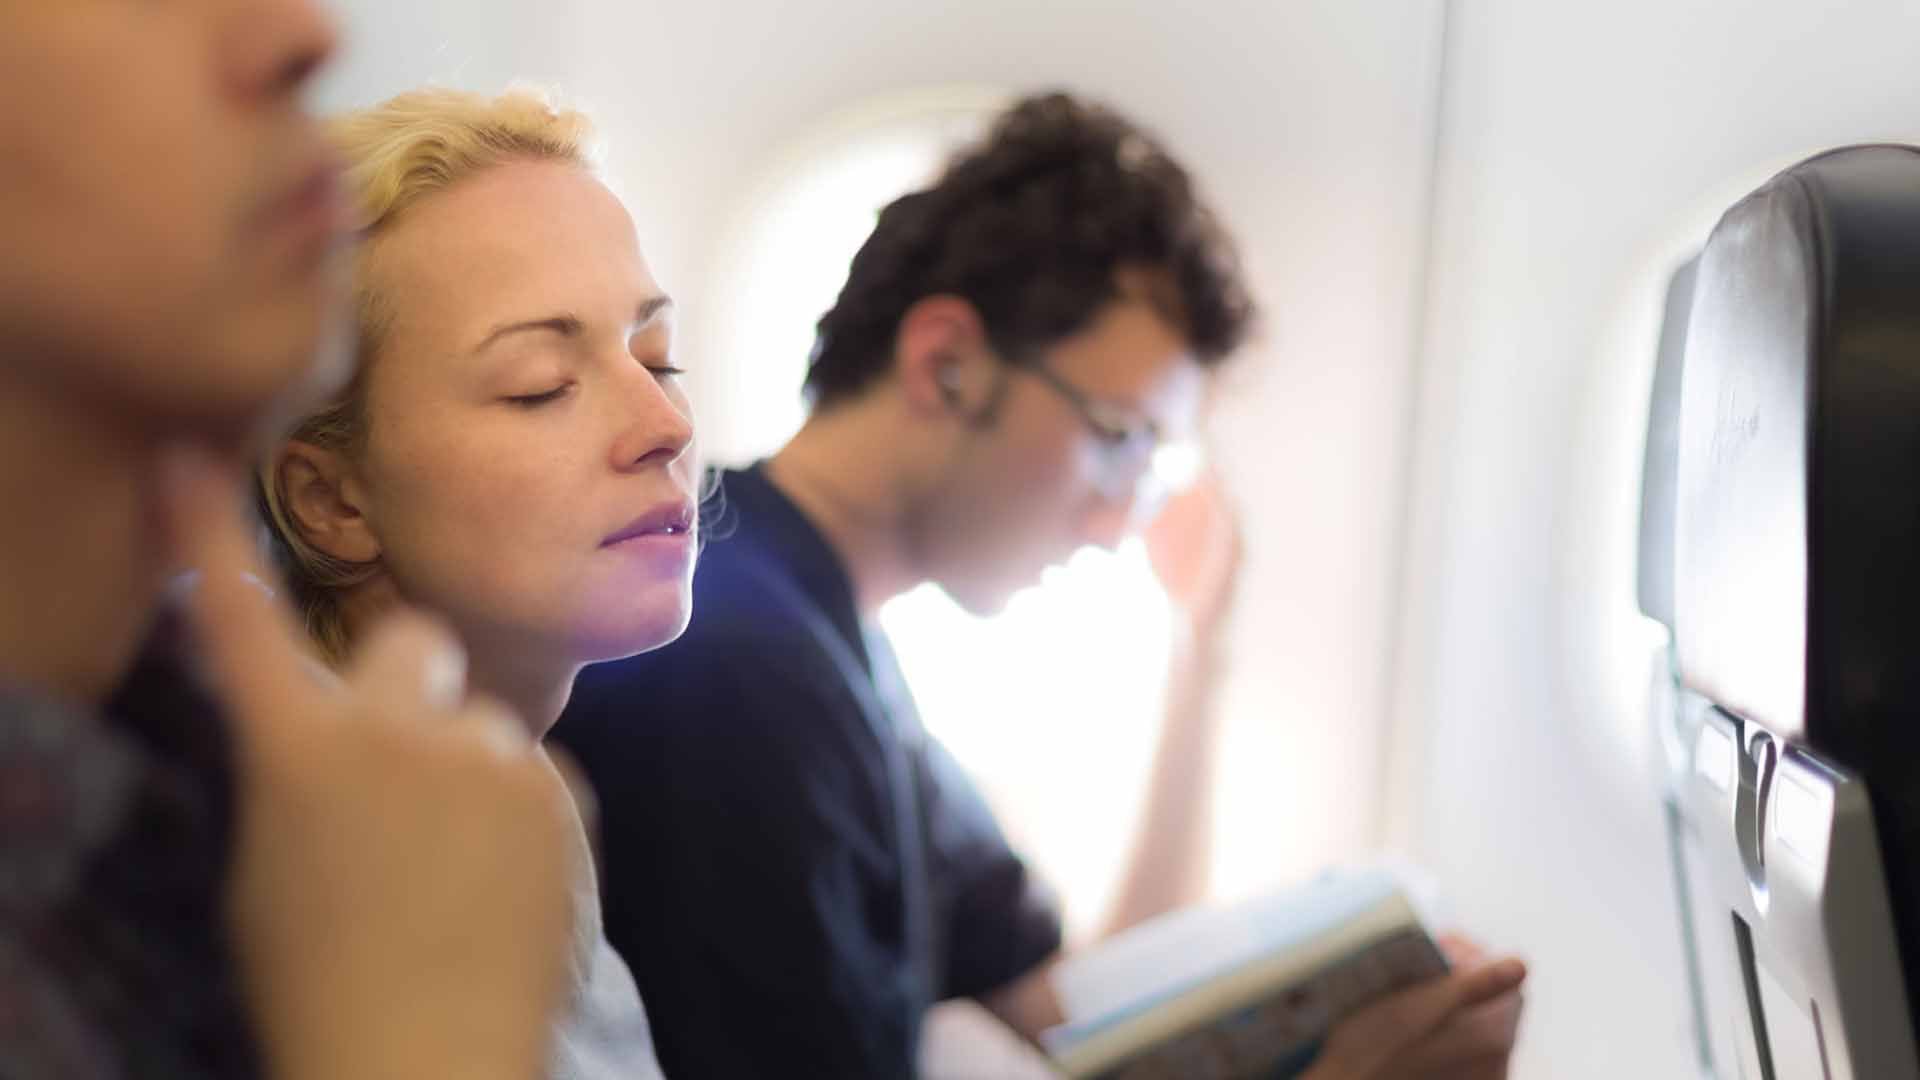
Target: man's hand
x=1194 y=543
x=399 y=897
x=1460 y=1026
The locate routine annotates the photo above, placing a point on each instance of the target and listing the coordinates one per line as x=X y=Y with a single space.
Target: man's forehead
x=1129 y=347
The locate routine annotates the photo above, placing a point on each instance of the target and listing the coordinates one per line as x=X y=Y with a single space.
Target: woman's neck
x=537 y=696
x=81 y=562
x=535 y=689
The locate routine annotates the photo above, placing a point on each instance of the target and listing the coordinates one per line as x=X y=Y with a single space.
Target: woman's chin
x=641 y=631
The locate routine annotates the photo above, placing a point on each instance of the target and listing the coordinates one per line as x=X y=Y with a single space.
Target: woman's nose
x=657 y=426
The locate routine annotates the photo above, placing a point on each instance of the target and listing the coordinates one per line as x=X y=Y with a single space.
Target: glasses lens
x=1155 y=478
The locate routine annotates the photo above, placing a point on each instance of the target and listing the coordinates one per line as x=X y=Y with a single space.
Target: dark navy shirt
x=794 y=870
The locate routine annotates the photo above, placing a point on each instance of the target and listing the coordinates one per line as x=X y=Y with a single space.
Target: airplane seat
x=1794 y=547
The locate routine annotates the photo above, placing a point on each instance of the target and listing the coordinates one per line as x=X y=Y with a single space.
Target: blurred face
x=167 y=211
x=527 y=471
x=1042 y=481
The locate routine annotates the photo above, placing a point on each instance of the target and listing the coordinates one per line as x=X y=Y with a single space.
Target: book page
x=1167 y=956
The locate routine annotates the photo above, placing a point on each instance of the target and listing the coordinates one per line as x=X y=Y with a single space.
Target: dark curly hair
x=1032 y=226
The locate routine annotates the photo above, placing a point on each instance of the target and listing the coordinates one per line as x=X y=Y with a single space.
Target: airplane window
x=784 y=250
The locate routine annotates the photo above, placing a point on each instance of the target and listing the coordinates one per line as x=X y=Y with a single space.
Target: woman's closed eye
x=528 y=401
x=666 y=371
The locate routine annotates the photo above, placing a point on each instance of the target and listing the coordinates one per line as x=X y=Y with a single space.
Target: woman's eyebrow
x=565 y=324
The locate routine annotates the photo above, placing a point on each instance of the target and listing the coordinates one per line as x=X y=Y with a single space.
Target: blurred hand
x=399 y=896
x=1460 y=950
x=1194 y=543
x=1460 y=1026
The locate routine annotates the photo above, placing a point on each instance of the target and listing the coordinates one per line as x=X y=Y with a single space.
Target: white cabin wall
x=1585 y=149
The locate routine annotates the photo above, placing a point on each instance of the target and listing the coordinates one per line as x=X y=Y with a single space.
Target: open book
x=1241 y=992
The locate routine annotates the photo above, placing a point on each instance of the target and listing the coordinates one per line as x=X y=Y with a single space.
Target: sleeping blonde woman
x=515 y=452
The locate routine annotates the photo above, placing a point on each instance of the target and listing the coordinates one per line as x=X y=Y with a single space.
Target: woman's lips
x=669 y=523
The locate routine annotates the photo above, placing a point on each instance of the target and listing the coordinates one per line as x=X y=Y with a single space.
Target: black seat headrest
x=1797 y=532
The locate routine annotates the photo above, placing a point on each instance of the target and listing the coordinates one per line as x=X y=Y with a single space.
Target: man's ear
x=942 y=358
x=323 y=500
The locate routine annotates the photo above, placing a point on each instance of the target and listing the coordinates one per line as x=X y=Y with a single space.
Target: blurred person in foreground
x=215 y=862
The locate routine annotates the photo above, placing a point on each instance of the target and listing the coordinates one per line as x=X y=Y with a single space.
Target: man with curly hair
x=795 y=870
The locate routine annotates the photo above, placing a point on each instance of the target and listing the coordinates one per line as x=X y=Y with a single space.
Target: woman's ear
x=323 y=500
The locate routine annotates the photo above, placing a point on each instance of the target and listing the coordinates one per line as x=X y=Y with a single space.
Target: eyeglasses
x=1136 y=462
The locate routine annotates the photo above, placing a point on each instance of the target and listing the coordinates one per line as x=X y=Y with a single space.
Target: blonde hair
x=397 y=154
